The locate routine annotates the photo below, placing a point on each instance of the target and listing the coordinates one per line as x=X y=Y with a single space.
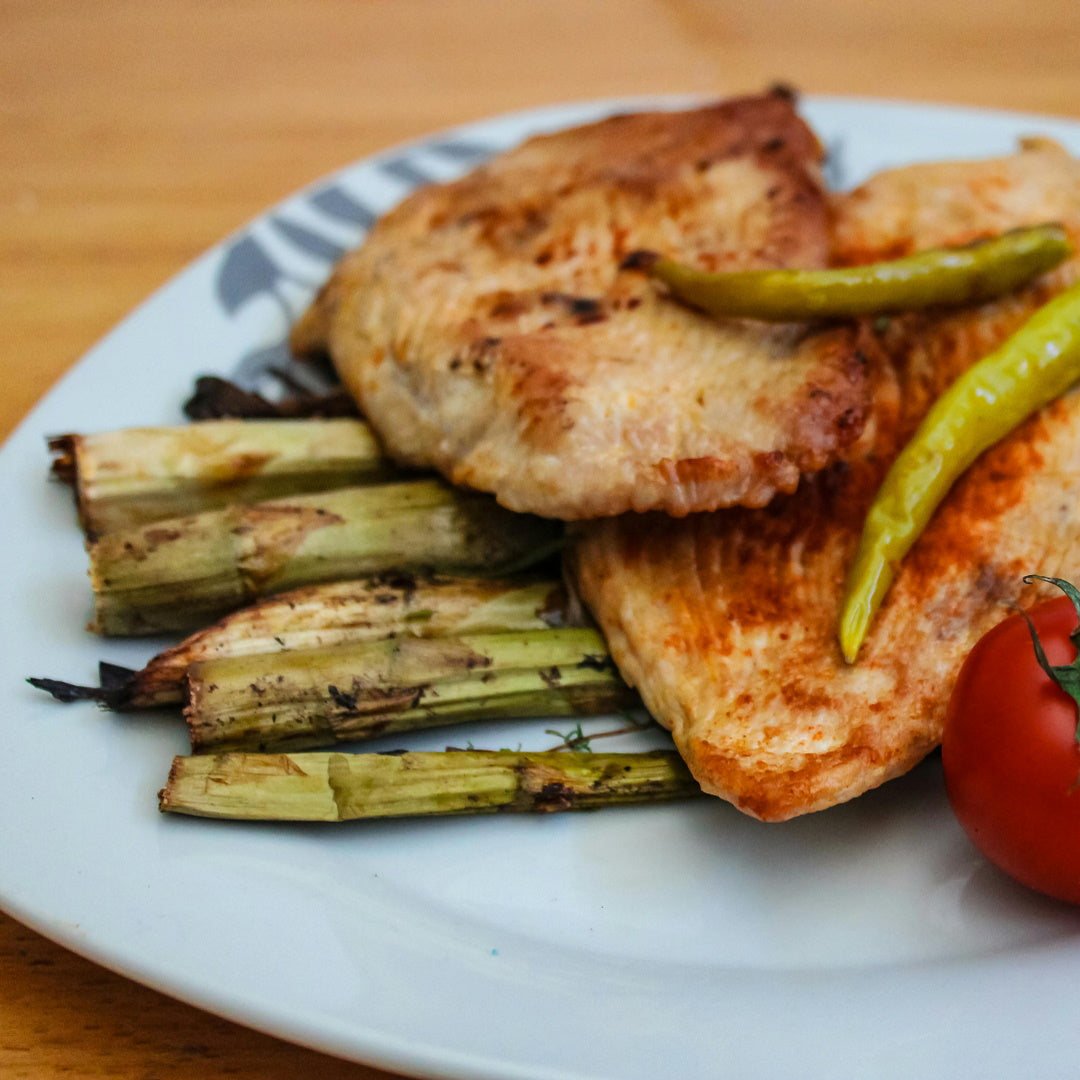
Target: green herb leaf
x=574 y=739
x=1066 y=676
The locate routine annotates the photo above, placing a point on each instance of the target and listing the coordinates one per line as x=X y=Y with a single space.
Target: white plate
x=682 y=941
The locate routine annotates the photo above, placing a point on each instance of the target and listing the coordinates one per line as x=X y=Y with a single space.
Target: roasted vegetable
x=339 y=613
x=323 y=696
x=340 y=787
x=994 y=396
x=216 y=398
x=129 y=477
x=948 y=276
x=183 y=572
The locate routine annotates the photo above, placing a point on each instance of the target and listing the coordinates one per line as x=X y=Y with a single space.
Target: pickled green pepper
x=946 y=276
x=994 y=396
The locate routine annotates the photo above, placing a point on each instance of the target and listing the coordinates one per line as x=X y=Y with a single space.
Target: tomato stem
x=1066 y=676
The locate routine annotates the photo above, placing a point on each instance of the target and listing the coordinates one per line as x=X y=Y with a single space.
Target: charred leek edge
x=320 y=697
x=127 y=478
x=185 y=572
x=341 y=787
x=341 y=613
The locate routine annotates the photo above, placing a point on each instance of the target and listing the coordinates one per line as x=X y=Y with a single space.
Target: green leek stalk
x=339 y=613
x=127 y=478
x=313 y=698
x=185 y=572
x=341 y=787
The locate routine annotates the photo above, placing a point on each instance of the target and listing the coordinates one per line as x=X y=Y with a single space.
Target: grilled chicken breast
x=487 y=329
x=727 y=622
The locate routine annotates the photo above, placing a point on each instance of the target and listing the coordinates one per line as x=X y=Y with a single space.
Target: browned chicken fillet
x=727 y=622
x=486 y=328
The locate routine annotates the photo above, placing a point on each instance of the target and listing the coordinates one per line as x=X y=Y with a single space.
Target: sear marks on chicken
x=490 y=329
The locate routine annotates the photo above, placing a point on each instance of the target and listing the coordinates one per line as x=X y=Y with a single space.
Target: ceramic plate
x=678 y=941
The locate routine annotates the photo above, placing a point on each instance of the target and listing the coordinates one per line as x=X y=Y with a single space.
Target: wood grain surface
x=136 y=133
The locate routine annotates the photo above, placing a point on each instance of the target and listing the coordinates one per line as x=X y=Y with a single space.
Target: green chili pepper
x=994 y=396
x=946 y=276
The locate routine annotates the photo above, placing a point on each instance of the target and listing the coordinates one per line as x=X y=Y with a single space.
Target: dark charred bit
x=850 y=421
x=597 y=662
x=481 y=354
x=333 y=403
x=115 y=691
x=374 y=700
x=785 y=91
x=65 y=691
x=576 y=305
x=114 y=677
x=582 y=309
x=832 y=485
x=552 y=676
x=553 y=797
x=403 y=581
x=215 y=398
x=63 y=467
x=774 y=144
x=341 y=698
x=640 y=260
x=108 y=697
x=585 y=309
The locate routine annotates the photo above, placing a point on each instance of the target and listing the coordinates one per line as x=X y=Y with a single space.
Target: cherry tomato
x=1010 y=752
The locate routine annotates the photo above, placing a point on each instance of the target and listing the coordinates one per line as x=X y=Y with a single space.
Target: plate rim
x=399 y=1056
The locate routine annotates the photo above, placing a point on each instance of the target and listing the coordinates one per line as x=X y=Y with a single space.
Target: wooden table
x=136 y=133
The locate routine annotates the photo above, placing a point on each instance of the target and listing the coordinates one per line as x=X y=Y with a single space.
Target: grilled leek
x=185 y=572
x=319 y=697
x=339 y=613
x=127 y=478
x=341 y=787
